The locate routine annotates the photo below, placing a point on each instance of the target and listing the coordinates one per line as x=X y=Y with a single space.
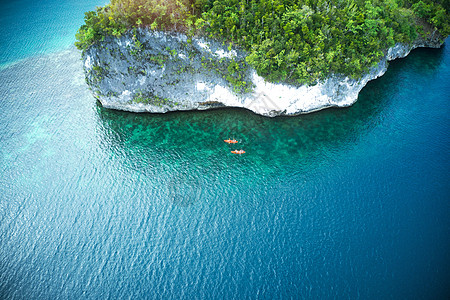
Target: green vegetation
x=98 y=73
x=149 y=98
x=121 y=15
x=298 y=42
x=232 y=71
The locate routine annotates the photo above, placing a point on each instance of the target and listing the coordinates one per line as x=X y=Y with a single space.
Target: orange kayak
x=233 y=141
x=238 y=151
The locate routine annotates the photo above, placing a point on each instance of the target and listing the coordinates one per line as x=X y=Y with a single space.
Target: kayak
x=233 y=141
x=238 y=151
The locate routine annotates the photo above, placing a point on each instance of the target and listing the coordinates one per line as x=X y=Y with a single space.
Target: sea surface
x=349 y=203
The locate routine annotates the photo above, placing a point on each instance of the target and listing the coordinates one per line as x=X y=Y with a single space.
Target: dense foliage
x=298 y=41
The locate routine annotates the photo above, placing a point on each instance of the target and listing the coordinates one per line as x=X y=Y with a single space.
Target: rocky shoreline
x=150 y=71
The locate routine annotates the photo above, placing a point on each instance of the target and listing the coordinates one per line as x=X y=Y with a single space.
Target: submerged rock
x=151 y=71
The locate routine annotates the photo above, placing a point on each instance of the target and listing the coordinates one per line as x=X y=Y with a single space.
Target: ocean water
x=29 y=28
x=95 y=203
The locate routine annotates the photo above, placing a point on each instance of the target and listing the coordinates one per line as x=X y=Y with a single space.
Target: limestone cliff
x=150 y=71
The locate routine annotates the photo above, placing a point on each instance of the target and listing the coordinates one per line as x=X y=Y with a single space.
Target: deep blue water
x=94 y=203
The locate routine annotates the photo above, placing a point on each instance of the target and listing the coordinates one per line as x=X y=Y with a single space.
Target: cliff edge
x=154 y=71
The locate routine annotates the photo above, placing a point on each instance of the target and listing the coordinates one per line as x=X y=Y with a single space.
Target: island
x=273 y=57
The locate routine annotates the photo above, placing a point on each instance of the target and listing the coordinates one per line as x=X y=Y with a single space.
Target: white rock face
x=169 y=74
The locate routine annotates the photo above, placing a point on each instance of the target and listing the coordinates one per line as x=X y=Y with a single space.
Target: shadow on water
x=423 y=61
x=189 y=145
x=268 y=142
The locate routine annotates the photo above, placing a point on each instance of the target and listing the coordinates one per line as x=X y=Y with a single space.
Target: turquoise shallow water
x=343 y=203
x=29 y=28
